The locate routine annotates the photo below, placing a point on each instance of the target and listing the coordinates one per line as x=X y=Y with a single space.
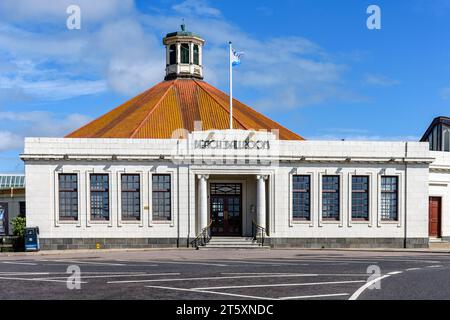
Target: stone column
x=203 y=200
x=261 y=200
x=178 y=53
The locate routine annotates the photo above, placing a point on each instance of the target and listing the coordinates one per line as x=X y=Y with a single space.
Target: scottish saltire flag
x=236 y=58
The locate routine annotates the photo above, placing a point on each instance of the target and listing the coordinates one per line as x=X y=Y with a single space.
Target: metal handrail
x=258 y=230
x=202 y=238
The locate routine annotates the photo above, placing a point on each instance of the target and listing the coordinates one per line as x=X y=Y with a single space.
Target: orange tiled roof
x=175 y=104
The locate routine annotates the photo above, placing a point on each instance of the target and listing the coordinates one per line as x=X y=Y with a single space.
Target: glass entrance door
x=226 y=210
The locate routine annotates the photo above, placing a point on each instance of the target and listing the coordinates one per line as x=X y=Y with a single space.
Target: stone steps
x=233 y=243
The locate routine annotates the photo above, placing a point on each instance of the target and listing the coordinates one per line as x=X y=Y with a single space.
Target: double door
x=226 y=215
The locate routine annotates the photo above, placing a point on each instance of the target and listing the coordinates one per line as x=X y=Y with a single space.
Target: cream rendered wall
x=416 y=213
x=45 y=157
x=42 y=202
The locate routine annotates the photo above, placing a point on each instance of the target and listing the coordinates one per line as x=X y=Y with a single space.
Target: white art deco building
x=163 y=168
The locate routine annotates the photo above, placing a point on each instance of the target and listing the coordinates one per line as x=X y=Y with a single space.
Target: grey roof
x=8 y=181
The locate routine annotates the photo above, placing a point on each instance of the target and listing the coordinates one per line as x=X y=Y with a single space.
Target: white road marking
x=395 y=272
x=412 y=269
x=436 y=266
x=20 y=263
x=367 y=285
x=315 y=296
x=288 y=274
x=121 y=275
x=88 y=262
x=24 y=273
x=262 y=263
x=281 y=285
x=182 y=262
x=35 y=279
x=214 y=278
x=212 y=292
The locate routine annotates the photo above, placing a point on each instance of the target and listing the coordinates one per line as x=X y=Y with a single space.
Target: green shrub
x=19 y=225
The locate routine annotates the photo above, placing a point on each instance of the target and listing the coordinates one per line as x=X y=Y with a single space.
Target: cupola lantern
x=184 y=51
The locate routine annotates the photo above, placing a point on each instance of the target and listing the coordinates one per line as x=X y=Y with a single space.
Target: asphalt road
x=226 y=274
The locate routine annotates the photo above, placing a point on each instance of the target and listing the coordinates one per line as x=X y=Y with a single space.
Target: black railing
x=202 y=238
x=258 y=232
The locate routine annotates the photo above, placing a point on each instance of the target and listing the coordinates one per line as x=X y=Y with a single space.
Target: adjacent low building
x=12 y=201
x=163 y=167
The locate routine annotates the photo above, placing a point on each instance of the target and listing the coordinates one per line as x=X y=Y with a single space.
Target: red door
x=435 y=217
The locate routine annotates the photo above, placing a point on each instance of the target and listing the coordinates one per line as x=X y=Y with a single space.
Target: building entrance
x=226 y=209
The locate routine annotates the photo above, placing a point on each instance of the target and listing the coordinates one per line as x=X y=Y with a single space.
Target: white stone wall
x=46 y=157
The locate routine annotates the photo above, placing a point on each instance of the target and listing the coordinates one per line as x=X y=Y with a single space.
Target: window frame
x=68 y=219
x=172 y=54
x=309 y=194
x=196 y=54
x=182 y=53
x=92 y=218
x=129 y=191
x=171 y=204
x=339 y=194
x=398 y=202
x=368 y=194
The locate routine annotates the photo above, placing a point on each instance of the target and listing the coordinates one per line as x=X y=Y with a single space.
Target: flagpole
x=231 y=85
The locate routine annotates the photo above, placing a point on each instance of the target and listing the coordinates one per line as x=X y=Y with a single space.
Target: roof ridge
x=135 y=131
x=220 y=104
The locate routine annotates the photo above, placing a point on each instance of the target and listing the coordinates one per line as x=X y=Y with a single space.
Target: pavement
x=226 y=274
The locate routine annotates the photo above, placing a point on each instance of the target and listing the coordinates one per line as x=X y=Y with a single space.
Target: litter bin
x=32 y=239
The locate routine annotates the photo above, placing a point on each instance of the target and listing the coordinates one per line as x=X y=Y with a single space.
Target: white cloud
x=55 y=11
x=36 y=123
x=196 y=7
x=126 y=55
x=380 y=80
x=9 y=141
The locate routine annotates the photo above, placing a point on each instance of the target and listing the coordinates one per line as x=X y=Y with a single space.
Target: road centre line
x=281 y=285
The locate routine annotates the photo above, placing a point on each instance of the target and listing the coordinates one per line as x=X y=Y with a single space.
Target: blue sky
x=311 y=65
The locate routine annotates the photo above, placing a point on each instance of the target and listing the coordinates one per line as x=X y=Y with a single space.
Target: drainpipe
x=406 y=195
x=178 y=206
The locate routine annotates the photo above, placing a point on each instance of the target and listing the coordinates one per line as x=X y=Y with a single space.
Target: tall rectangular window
x=389 y=198
x=301 y=197
x=99 y=197
x=196 y=55
x=161 y=198
x=172 y=54
x=68 y=196
x=360 y=198
x=185 y=53
x=330 y=198
x=131 y=197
